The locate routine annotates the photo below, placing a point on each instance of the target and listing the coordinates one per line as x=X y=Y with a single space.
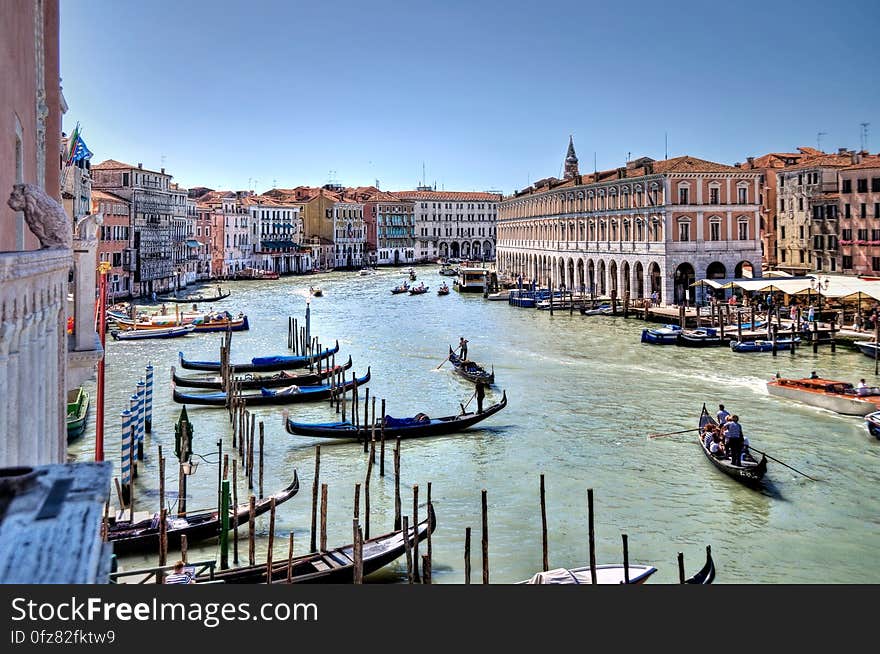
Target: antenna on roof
x=377 y=184
x=666 y=145
x=423 y=174
x=864 y=135
x=274 y=183
x=819 y=136
x=595 y=165
x=163 y=160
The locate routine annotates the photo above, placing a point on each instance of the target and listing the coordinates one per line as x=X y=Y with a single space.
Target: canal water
x=583 y=394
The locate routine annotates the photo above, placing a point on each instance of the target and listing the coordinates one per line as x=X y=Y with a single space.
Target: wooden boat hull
x=251 y=381
x=598 y=311
x=839 y=403
x=77 y=413
x=305 y=394
x=195 y=299
x=763 y=346
x=144 y=537
x=699 y=338
x=235 y=325
x=751 y=474
x=420 y=291
x=661 y=336
x=479 y=374
x=606 y=574
x=872 y=423
x=261 y=364
x=706 y=574
x=139 y=335
x=868 y=348
x=436 y=427
x=334 y=566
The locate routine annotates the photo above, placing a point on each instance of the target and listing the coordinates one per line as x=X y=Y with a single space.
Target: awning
x=192 y=243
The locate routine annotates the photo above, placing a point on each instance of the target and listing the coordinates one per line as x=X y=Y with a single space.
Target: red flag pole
x=103 y=267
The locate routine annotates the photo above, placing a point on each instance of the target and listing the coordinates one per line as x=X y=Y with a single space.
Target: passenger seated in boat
x=716 y=447
x=422 y=417
x=708 y=433
x=862 y=388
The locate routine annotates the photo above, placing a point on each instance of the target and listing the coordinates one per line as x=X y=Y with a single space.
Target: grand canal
x=583 y=396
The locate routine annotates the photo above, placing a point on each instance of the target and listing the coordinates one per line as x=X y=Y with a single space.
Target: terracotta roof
x=687 y=164
x=871 y=161
x=824 y=161
x=104 y=195
x=111 y=164
x=455 y=196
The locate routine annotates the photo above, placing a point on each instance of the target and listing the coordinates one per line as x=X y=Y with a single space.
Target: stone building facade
x=649 y=226
x=859 y=217
x=115 y=235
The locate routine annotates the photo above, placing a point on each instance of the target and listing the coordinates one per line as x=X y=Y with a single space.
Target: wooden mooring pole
x=546 y=558
x=315 y=486
x=592 y=536
x=485 y=539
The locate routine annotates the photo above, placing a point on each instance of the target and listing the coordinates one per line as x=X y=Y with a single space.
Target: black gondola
x=706 y=575
x=143 y=535
x=261 y=364
x=332 y=566
x=194 y=299
x=404 y=428
x=750 y=473
x=470 y=370
x=291 y=395
x=250 y=380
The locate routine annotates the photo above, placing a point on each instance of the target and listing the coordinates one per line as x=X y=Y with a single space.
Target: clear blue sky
x=484 y=93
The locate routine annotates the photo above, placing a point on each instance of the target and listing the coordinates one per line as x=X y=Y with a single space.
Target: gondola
x=418 y=290
x=443 y=290
x=868 y=348
x=143 y=535
x=142 y=334
x=597 y=311
x=194 y=299
x=291 y=395
x=701 y=337
x=403 y=288
x=763 y=346
x=250 y=380
x=332 y=566
x=872 y=423
x=396 y=428
x=706 y=575
x=261 y=364
x=222 y=322
x=470 y=370
x=78 y=402
x=316 y=291
x=665 y=335
x=606 y=574
x=750 y=473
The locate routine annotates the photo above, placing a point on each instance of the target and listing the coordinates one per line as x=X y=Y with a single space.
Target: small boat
x=600 y=310
x=418 y=426
x=665 y=335
x=868 y=348
x=257 y=380
x=316 y=291
x=196 y=297
x=255 y=273
x=141 y=334
x=448 y=271
x=412 y=276
x=706 y=575
x=403 y=288
x=750 y=472
x=840 y=397
x=78 y=401
x=290 y=394
x=701 y=337
x=418 y=290
x=605 y=574
x=155 y=320
x=748 y=325
x=261 y=364
x=872 y=422
x=763 y=346
x=332 y=566
x=470 y=370
x=220 y=322
x=142 y=534
x=500 y=296
x=363 y=272
x=443 y=290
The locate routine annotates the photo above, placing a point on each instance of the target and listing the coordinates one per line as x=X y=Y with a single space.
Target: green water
x=583 y=393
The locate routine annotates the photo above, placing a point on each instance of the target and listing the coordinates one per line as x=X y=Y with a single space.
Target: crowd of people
x=725 y=440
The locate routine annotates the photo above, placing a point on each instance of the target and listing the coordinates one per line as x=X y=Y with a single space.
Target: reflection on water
x=583 y=396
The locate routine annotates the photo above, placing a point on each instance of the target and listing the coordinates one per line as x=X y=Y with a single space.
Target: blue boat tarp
x=420 y=419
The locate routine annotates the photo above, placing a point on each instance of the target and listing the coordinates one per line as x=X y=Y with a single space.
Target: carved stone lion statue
x=44 y=216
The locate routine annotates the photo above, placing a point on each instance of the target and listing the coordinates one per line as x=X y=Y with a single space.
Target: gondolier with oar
x=462 y=346
x=733 y=435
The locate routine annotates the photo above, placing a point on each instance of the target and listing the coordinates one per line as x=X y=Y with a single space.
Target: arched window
x=742 y=193
x=684 y=192
x=638 y=196
x=714 y=193
x=684 y=229
x=640 y=233
x=612 y=199
x=592 y=230
x=602 y=231
x=742 y=228
x=613 y=230
x=624 y=199
x=625 y=230
x=714 y=228
x=654 y=195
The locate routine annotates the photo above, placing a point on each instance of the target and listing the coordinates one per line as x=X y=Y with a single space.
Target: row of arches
x=635 y=228
x=467 y=249
x=629 y=196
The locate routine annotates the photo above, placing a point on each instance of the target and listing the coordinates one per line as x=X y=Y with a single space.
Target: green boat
x=77 y=410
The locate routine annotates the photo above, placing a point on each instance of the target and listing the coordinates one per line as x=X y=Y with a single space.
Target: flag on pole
x=80 y=151
x=71 y=145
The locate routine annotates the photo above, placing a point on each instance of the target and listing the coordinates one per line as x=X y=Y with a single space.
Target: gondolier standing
x=462 y=345
x=734 y=439
x=481 y=393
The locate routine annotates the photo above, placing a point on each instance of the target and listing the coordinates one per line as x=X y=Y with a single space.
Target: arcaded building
x=644 y=227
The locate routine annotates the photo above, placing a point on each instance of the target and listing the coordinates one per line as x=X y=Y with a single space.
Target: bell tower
x=571 y=161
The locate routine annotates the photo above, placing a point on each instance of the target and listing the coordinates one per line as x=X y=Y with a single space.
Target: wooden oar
x=444 y=361
x=783 y=463
x=683 y=431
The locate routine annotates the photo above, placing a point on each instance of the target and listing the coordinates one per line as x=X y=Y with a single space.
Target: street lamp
x=819 y=284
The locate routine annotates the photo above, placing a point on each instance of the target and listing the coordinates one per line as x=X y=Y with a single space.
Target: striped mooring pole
x=133 y=400
x=125 y=465
x=141 y=395
x=148 y=419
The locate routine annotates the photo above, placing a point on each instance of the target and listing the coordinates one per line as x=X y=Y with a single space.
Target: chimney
x=856 y=157
x=140 y=165
x=841 y=150
x=163 y=171
x=751 y=161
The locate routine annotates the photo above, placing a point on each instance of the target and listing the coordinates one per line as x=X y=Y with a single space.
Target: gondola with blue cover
x=763 y=346
x=261 y=364
x=470 y=370
x=665 y=335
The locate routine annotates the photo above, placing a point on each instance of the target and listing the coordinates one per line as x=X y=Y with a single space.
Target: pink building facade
x=859 y=218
